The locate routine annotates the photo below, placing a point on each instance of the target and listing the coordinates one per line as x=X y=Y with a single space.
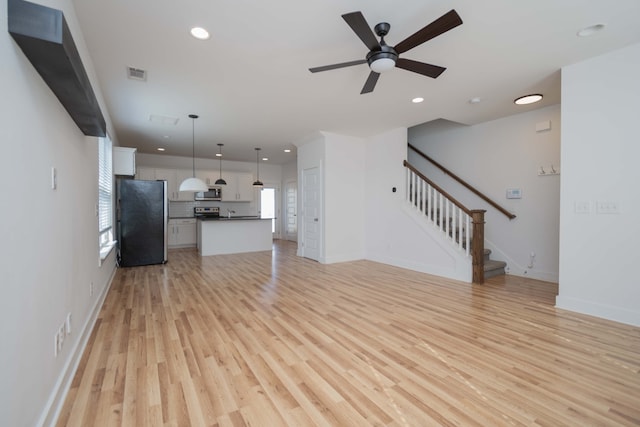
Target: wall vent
x=136 y=73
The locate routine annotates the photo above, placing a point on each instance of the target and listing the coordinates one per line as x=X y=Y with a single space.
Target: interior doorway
x=269 y=207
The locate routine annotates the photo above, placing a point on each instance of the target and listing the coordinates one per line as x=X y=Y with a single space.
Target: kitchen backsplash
x=185 y=209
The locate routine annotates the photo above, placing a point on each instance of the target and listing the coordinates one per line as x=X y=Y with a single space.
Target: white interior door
x=291 y=209
x=311 y=213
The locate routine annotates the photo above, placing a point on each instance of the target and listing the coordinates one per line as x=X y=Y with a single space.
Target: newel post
x=477 y=245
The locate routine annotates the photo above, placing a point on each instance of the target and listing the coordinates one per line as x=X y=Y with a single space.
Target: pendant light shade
x=193 y=184
x=220 y=181
x=257 y=182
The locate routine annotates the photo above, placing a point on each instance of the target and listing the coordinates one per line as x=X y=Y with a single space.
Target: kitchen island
x=217 y=236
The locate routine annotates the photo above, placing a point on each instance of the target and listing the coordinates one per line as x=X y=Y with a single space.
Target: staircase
x=462 y=227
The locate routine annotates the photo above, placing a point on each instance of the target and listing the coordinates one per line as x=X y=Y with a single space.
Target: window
x=105 y=197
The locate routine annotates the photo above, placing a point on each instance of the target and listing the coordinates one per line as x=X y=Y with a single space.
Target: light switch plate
x=54 y=178
x=607 y=208
x=582 y=207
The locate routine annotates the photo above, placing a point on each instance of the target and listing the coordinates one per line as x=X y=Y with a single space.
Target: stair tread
x=494 y=265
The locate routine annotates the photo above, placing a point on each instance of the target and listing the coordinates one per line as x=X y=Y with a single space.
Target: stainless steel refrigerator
x=142 y=212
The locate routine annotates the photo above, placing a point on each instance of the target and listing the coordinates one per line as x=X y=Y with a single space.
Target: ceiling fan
x=382 y=57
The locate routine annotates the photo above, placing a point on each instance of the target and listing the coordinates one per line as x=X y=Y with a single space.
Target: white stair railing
x=439 y=208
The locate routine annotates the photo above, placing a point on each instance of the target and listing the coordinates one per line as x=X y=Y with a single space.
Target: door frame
x=302 y=213
x=278 y=206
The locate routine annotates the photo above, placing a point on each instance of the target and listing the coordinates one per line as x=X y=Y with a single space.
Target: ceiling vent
x=136 y=73
x=163 y=120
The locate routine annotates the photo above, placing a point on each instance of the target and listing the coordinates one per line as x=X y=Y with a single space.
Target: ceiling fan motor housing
x=385 y=53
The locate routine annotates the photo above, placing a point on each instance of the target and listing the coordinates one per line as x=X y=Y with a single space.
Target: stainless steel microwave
x=214 y=193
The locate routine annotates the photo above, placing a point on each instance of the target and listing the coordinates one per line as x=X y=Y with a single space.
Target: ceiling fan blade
x=441 y=25
x=362 y=29
x=370 y=84
x=334 y=66
x=428 y=70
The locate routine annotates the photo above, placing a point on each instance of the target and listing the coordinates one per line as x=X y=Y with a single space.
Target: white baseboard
x=617 y=314
x=54 y=405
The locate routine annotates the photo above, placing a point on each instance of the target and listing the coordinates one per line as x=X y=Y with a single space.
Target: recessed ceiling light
x=590 y=30
x=218 y=154
x=417 y=100
x=528 y=99
x=160 y=149
x=286 y=150
x=475 y=100
x=200 y=33
x=265 y=159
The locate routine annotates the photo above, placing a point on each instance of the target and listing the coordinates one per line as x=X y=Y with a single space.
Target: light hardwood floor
x=271 y=339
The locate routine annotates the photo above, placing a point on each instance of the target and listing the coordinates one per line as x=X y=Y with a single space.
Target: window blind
x=105 y=190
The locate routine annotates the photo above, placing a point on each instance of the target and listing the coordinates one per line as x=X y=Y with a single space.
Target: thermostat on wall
x=514 y=193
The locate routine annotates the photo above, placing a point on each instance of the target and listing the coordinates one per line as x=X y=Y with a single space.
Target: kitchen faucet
x=229 y=212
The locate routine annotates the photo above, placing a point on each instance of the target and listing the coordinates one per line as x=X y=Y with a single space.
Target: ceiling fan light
x=381 y=65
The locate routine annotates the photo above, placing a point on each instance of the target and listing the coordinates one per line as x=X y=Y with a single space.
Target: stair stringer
x=417 y=244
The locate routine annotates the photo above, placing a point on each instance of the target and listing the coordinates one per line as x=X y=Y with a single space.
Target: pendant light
x=258 y=183
x=193 y=184
x=220 y=181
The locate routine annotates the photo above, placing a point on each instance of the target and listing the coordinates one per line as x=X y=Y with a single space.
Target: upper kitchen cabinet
x=124 y=161
x=174 y=178
x=239 y=187
x=208 y=177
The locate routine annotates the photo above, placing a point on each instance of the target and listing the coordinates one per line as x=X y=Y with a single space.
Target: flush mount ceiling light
x=257 y=182
x=590 y=30
x=200 y=33
x=528 y=99
x=417 y=100
x=193 y=184
x=220 y=181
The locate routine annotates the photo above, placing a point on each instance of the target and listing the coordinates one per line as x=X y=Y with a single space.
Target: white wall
x=340 y=160
x=344 y=186
x=49 y=253
x=600 y=152
x=494 y=156
x=394 y=234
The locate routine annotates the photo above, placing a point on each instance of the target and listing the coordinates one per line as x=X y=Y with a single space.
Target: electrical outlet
x=59 y=339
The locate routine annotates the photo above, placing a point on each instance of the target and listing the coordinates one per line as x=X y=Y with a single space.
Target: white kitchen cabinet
x=124 y=161
x=239 y=187
x=169 y=175
x=209 y=177
x=174 y=178
x=182 y=233
x=181 y=175
x=148 y=174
